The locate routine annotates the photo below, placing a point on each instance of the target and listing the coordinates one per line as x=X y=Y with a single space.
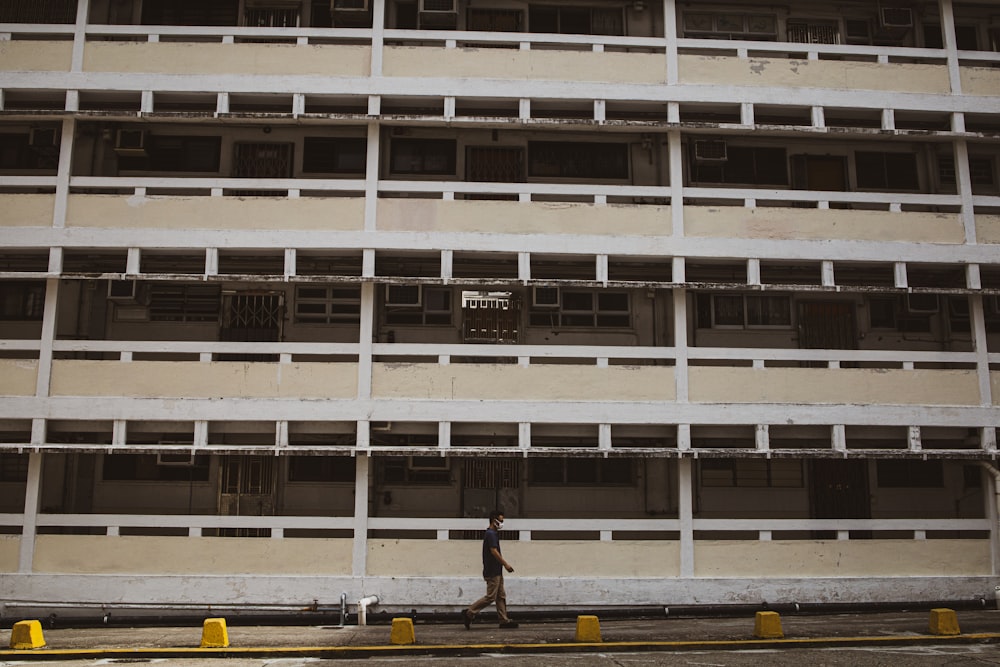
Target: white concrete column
x=685 y=514
x=359 y=556
x=48 y=335
x=63 y=173
x=963 y=184
x=680 y=344
x=32 y=496
x=671 y=33
x=378 y=37
x=950 y=45
x=676 y=160
x=365 y=341
x=79 y=35
x=371 y=176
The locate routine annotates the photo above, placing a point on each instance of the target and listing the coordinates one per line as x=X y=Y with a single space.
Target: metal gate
x=827 y=325
x=488 y=484
x=491 y=320
x=247 y=488
x=252 y=317
x=262 y=160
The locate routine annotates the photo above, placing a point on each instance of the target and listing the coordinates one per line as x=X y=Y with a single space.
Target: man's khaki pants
x=494 y=594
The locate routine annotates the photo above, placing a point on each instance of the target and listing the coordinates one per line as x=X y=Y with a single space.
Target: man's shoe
x=466 y=618
x=508 y=624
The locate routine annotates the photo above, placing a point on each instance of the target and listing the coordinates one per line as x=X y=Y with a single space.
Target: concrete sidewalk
x=667 y=634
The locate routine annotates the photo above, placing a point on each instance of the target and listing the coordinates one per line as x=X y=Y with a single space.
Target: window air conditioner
x=544 y=297
x=922 y=304
x=895 y=17
x=42 y=138
x=438 y=13
x=123 y=291
x=710 y=150
x=427 y=463
x=130 y=142
x=349 y=5
x=402 y=295
x=185 y=459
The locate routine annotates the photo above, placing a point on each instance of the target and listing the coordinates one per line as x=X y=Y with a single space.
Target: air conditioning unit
x=438 y=14
x=123 y=291
x=895 y=18
x=922 y=304
x=710 y=150
x=43 y=138
x=544 y=297
x=402 y=295
x=180 y=459
x=349 y=5
x=130 y=142
x=427 y=463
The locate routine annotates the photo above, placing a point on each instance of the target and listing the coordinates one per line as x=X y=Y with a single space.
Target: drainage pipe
x=363 y=608
x=343 y=608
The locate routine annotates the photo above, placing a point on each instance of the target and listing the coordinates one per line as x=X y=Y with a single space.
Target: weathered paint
x=18 y=377
x=35 y=56
x=980 y=81
x=242 y=213
x=841 y=558
x=836 y=74
x=419 y=61
x=434 y=215
x=26 y=210
x=988 y=228
x=550 y=382
x=10 y=547
x=779 y=223
x=191 y=58
x=842 y=385
x=77 y=377
x=130 y=554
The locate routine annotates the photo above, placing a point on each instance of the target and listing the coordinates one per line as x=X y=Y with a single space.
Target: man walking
x=493 y=567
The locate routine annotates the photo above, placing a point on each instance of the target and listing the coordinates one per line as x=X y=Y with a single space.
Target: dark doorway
x=251 y=317
x=839 y=491
x=819 y=172
x=827 y=325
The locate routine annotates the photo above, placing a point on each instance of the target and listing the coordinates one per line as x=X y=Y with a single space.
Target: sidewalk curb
x=478 y=649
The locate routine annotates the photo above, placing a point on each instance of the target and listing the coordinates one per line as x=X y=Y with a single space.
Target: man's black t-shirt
x=491 y=566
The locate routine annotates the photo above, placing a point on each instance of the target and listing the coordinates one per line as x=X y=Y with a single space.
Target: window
x=577 y=159
x=742 y=311
x=912 y=315
x=190 y=12
x=183 y=303
x=582 y=308
x=329 y=304
x=910 y=474
x=13 y=467
x=414 y=470
x=581 y=471
x=38 y=11
x=886 y=171
x=415 y=304
x=334 y=155
x=743 y=165
x=17 y=151
x=175 y=153
x=966 y=37
x=704 y=25
x=759 y=473
x=576 y=20
x=980 y=171
x=813 y=32
x=320 y=469
x=423 y=156
x=22 y=300
x=145 y=467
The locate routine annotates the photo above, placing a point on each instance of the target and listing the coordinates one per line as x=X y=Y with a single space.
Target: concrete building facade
x=705 y=296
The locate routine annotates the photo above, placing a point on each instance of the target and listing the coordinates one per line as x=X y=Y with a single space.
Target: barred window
x=760 y=473
x=328 y=304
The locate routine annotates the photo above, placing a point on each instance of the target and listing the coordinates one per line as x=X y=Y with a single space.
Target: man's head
x=496 y=518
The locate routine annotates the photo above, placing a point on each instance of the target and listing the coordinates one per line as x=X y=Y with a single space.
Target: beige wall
x=100 y=554
x=980 y=81
x=838 y=74
x=842 y=558
x=18 y=377
x=421 y=61
x=817 y=224
x=529 y=559
x=988 y=228
x=36 y=56
x=521 y=218
x=553 y=382
x=26 y=210
x=150 y=379
x=199 y=58
x=339 y=214
x=716 y=384
x=995 y=387
x=10 y=550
